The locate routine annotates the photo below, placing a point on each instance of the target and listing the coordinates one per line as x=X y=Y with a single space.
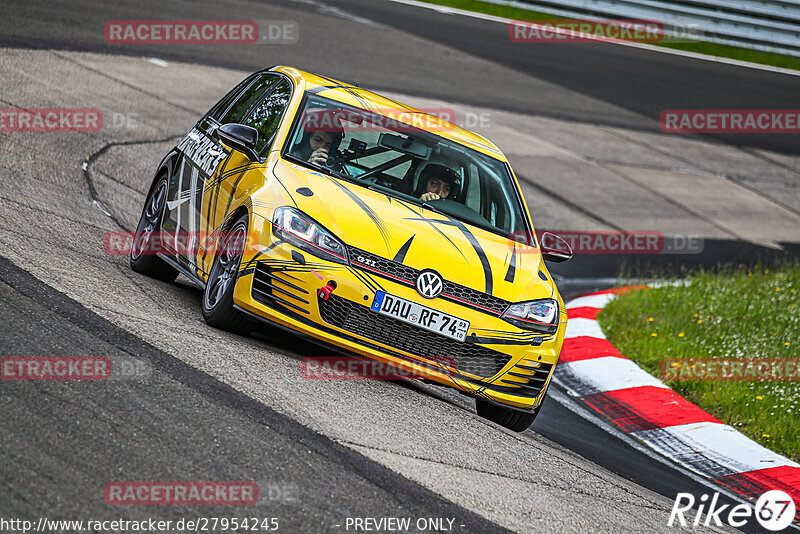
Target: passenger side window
x=250 y=96
x=472 y=184
x=267 y=115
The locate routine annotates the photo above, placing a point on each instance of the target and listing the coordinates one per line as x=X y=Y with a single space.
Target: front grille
x=358 y=319
x=371 y=262
x=392 y=268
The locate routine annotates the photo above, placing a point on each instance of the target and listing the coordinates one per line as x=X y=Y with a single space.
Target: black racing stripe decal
x=379 y=224
x=289 y=193
x=502 y=341
x=507 y=333
x=401 y=254
x=308 y=265
x=230 y=197
x=369 y=282
x=476 y=246
x=512 y=265
x=244 y=167
x=487 y=269
x=432 y=225
x=214 y=185
x=366 y=104
x=255 y=258
x=437 y=221
x=223 y=174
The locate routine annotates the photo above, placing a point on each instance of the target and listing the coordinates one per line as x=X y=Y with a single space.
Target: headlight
x=539 y=315
x=297 y=228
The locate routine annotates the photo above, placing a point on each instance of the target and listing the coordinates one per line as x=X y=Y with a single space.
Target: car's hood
x=417 y=237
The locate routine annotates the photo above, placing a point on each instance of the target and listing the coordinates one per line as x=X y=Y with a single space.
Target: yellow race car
x=368 y=225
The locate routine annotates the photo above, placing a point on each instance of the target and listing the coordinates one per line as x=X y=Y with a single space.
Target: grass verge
x=700 y=47
x=736 y=313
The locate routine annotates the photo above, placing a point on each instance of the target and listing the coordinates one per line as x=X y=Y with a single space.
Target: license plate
x=419 y=315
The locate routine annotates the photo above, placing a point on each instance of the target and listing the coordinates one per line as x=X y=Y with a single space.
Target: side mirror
x=554 y=248
x=240 y=137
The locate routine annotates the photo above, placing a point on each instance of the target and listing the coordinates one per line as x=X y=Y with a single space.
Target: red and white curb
x=641 y=405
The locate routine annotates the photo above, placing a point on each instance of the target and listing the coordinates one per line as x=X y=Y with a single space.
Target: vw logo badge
x=429 y=284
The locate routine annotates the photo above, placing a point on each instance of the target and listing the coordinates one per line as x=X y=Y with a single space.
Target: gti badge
x=429 y=284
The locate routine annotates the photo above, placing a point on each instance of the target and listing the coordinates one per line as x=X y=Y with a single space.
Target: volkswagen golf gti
x=370 y=226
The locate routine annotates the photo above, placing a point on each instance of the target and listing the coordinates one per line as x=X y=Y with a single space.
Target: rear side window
x=250 y=96
x=266 y=117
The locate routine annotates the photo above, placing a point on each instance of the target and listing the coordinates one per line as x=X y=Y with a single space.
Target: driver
x=321 y=137
x=320 y=144
x=437 y=182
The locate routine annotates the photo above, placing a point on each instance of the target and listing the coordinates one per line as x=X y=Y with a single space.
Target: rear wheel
x=218 y=310
x=508 y=417
x=143 y=252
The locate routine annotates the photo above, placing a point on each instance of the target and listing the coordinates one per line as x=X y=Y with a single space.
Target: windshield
x=377 y=151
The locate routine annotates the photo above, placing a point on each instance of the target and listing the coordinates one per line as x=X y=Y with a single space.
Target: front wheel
x=218 y=308
x=143 y=250
x=508 y=417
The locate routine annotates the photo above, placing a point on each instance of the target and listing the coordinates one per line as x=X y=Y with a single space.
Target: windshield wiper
x=436 y=210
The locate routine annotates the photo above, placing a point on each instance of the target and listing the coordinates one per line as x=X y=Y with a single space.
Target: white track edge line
x=702 y=479
x=634 y=441
x=583 y=412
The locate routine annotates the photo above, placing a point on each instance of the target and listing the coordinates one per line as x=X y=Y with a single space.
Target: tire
x=143 y=261
x=218 y=308
x=508 y=417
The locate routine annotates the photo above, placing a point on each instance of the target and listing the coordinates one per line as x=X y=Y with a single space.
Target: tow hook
x=325 y=291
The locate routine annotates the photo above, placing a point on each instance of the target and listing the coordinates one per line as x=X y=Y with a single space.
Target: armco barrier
x=766 y=25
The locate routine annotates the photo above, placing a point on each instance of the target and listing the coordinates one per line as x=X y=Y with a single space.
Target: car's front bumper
x=497 y=361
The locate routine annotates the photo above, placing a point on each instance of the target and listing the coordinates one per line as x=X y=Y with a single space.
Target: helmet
x=435 y=170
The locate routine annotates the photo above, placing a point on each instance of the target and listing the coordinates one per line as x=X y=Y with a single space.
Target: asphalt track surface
x=185 y=421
